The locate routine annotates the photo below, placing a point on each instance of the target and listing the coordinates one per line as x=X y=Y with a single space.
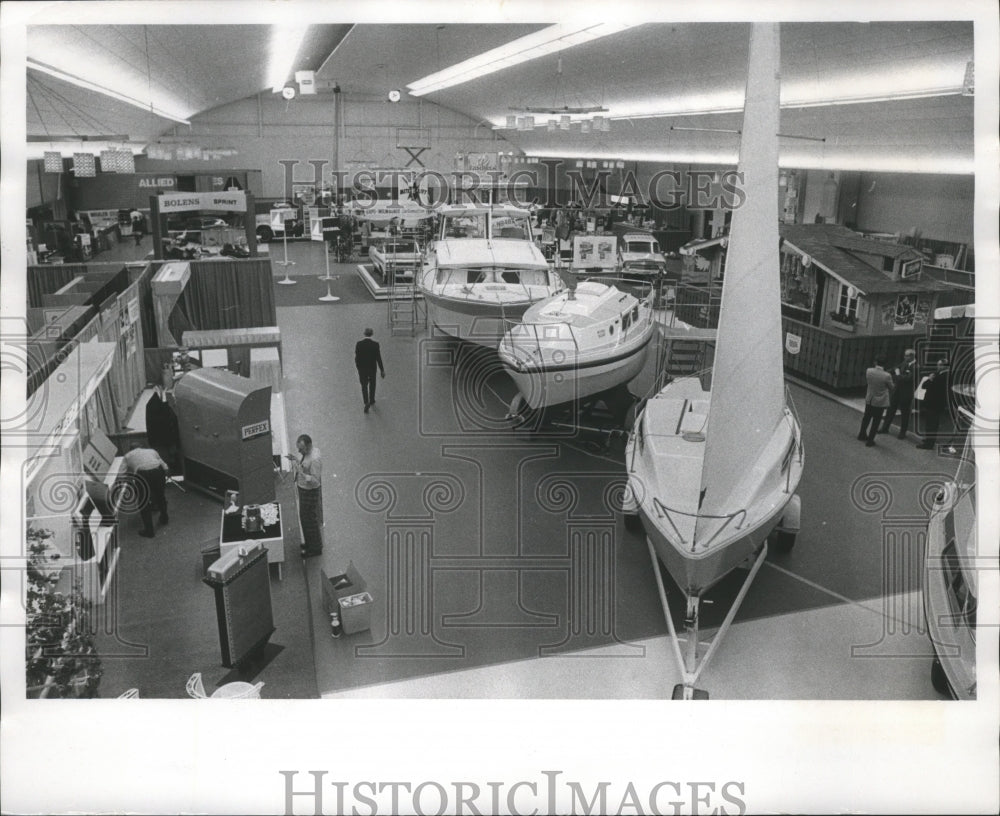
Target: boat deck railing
x=797 y=448
x=663 y=512
x=522 y=342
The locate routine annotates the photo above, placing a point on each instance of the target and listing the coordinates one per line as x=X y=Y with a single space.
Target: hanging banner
x=793 y=343
x=232 y=201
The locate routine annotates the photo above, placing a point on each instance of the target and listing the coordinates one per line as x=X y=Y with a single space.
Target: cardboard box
x=356 y=612
x=340 y=585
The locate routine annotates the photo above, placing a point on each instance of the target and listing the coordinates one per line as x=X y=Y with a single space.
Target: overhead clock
x=394 y=95
x=288 y=92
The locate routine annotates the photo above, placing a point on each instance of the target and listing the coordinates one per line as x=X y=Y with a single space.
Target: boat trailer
x=688 y=661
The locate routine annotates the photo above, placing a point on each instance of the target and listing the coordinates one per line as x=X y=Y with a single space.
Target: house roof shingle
x=831 y=246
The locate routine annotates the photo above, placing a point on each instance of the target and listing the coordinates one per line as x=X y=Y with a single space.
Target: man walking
x=902 y=394
x=368 y=357
x=137 y=219
x=151 y=472
x=877 y=399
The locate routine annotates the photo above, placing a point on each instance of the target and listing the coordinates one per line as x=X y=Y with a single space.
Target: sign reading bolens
x=220 y=201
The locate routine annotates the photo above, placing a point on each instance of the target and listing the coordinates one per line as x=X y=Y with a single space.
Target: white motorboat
x=950 y=576
x=714 y=460
x=482 y=270
x=579 y=342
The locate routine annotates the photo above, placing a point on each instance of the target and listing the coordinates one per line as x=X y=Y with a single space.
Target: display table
x=232 y=535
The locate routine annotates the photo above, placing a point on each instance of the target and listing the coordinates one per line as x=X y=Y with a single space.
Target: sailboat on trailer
x=714 y=461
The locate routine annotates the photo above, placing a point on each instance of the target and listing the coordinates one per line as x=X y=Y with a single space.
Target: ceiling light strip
x=284 y=48
x=93 y=86
x=549 y=40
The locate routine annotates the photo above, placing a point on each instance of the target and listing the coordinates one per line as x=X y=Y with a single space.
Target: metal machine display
x=225 y=432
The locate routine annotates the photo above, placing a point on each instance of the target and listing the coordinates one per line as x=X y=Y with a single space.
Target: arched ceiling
x=671 y=89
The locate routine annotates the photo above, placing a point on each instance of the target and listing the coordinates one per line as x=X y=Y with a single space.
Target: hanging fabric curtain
x=45 y=280
x=228 y=295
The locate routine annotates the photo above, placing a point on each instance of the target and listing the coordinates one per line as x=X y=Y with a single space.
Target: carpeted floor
x=161 y=627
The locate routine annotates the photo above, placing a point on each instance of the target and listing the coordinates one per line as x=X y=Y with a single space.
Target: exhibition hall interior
x=577 y=359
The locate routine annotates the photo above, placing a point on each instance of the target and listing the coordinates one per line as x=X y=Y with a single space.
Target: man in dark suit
x=368 y=357
x=934 y=404
x=902 y=395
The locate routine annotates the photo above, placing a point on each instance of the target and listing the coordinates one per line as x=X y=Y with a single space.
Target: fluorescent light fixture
x=935 y=77
x=145 y=104
x=284 y=47
x=549 y=40
x=800 y=160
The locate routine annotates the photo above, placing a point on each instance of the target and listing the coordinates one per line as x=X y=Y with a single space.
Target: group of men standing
x=895 y=391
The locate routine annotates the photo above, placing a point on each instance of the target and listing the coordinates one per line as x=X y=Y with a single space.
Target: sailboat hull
x=579 y=378
x=693 y=573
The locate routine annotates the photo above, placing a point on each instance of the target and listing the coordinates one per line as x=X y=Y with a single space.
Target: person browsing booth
x=151 y=472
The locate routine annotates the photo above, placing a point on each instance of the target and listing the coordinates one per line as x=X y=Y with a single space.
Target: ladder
x=403 y=308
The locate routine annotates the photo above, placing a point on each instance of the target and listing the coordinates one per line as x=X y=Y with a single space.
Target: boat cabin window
x=626 y=321
x=635 y=314
x=525 y=277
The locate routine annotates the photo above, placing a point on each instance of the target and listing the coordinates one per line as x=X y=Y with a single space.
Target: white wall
x=268 y=130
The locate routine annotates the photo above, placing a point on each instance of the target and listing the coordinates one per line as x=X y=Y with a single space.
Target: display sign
x=232 y=201
x=910 y=269
x=793 y=343
x=100 y=218
x=255 y=429
x=156 y=182
x=594 y=251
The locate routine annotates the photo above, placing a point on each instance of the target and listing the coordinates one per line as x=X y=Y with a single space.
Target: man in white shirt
x=151 y=484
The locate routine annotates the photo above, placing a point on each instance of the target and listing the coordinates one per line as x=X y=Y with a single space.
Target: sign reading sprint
x=230 y=201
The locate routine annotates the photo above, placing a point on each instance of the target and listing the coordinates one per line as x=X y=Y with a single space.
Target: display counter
x=233 y=533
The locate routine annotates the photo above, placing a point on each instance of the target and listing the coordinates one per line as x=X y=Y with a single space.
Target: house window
x=848 y=305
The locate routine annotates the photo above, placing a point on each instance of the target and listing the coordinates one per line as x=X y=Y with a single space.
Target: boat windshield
x=464 y=225
x=512 y=226
x=523 y=277
x=476 y=225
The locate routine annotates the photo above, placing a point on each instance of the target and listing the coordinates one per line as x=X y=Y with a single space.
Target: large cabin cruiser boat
x=714 y=461
x=580 y=342
x=482 y=270
x=950 y=576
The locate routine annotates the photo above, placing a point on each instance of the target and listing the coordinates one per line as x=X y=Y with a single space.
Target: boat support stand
x=687 y=661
